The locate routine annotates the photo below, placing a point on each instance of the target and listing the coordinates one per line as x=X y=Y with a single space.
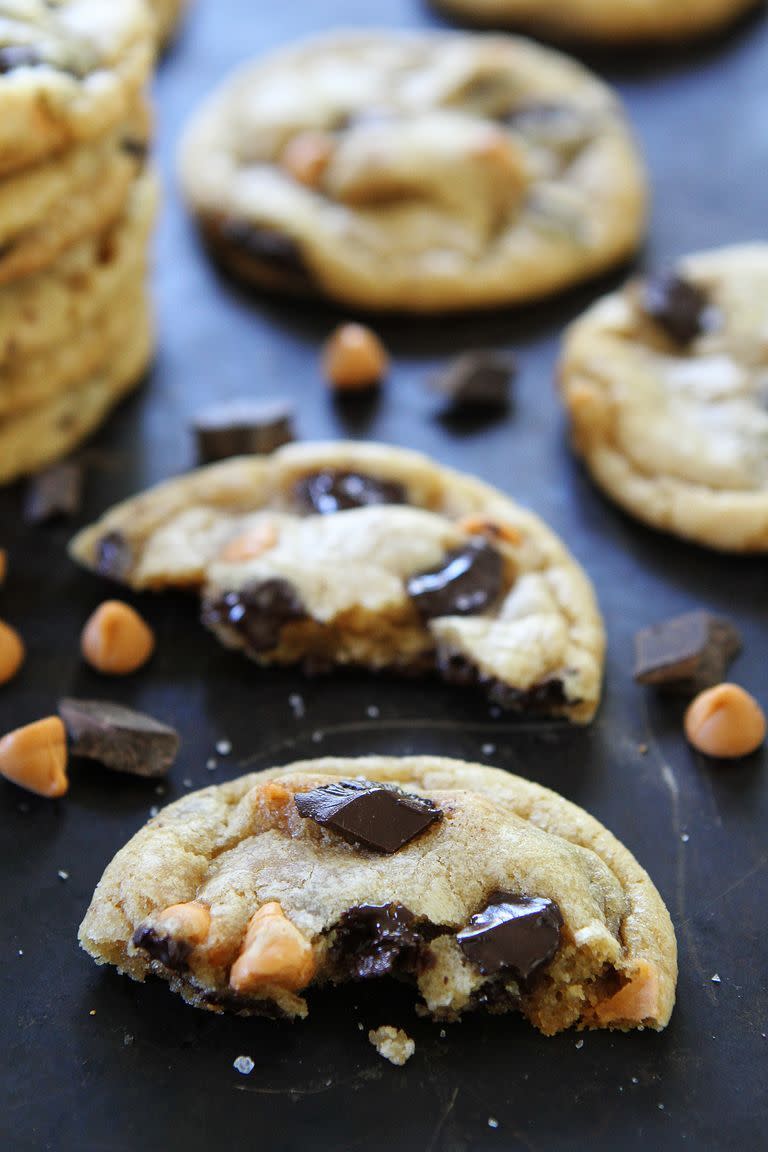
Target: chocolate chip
x=14 y=56
x=468 y=581
x=376 y=816
x=476 y=380
x=687 y=653
x=118 y=737
x=513 y=932
x=337 y=491
x=54 y=492
x=252 y=249
x=114 y=556
x=258 y=612
x=170 y=952
x=377 y=940
x=676 y=305
x=241 y=427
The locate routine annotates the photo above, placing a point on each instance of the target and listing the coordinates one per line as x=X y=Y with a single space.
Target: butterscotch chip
x=115 y=640
x=354 y=359
x=725 y=722
x=11 y=652
x=35 y=757
x=252 y=543
x=392 y=1043
x=274 y=952
x=306 y=157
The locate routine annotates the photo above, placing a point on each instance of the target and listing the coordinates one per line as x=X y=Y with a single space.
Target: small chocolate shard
x=118 y=737
x=377 y=816
x=258 y=612
x=687 y=653
x=56 y=492
x=676 y=305
x=476 y=381
x=467 y=582
x=242 y=427
x=160 y=946
x=13 y=56
x=378 y=939
x=114 y=556
x=337 y=491
x=519 y=933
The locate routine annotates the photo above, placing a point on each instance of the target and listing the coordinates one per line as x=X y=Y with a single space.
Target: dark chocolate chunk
x=241 y=427
x=513 y=932
x=376 y=816
x=687 y=653
x=13 y=56
x=337 y=491
x=54 y=492
x=476 y=380
x=378 y=940
x=170 y=952
x=676 y=305
x=114 y=556
x=118 y=737
x=543 y=698
x=468 y=581
x=249 y=248
x=257 y=612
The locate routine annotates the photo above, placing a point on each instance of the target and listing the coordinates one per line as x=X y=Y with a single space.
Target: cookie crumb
x=642 y=749
x=187 y=782
x=488 y=749
x=372 y=712
x=62 y=875
x=296 y=703
x=442 y=1033
x=128 y=1039
x=635 y=1080
x=154 y=811
x=317 y=737
x=92 y=1012
x=492 y=1122
x=392 y=1043
x=716 y=979
x=685 y=837
x=579 y=1043
x=244 y=1065
x=211 y=764
x=224 y=747
x=21 y=951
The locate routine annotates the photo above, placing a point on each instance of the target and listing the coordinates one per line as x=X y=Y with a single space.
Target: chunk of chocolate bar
x=676 y=305
x=513 y=932
x=118 y=737
x=54 y=492
x=687 y=653
x=337 y=491
x=476 y=380
x=376 y=816
x=241 y=427
x=467 y=582
x=378 y=939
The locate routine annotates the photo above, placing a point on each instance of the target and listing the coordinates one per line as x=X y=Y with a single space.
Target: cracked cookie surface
x=511 y=898
x=415 y=171
x=666 y=384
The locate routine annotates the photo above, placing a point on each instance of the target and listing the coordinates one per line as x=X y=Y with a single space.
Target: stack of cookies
x=76 y=209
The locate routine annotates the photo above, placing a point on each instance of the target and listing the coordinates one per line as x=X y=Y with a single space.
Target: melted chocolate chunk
x=476 y=380
x=242 y=427
x=337 y=491
x=376 y=816
x=379 y=940
x=258 y=612
x=14 y=56
x=54 y=492
x=686 y=654
x=676 y=305
x=118 y=737
x=467 y=582
x=513 y=932
x=172 y=953
x=541 y=698
x=246 y=246
x=114 y=556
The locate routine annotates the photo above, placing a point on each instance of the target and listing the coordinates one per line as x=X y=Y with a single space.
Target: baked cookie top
x=415 y=171
x=373 y=555
x=69 y=71
x=614 y=21
x=481 y=888
x=667 y=386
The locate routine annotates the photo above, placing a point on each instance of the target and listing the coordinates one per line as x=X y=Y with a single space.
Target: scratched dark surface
x=91 y=1061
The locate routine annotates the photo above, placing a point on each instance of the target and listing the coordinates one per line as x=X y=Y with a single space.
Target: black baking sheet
x=90 y=1061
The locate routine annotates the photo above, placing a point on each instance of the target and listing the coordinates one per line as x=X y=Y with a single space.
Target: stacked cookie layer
x=76 y=210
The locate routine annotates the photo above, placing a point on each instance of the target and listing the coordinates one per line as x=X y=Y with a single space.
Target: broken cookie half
x=369 y=555
x=479 y=889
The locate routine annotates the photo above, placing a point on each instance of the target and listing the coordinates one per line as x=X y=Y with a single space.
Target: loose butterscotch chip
x=11 y=652
x=354 y=359
x=115 y=640
x=35 y=757
x=725 y=722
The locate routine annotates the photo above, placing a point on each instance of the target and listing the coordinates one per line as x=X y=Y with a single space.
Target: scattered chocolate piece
x=676 y=305
x=257 y=612
x=160 y=946
x=469 y=579
x=114 y=556
x=476 y=380
x=377 y=816
x=118 y=737
x=686 y=653
x=378 y=939
x=54 y=492
x=337 y=491
x=241 y=427
x=516 y=932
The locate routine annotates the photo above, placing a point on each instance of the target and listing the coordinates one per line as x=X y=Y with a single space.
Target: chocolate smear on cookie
x=468 y=581
x=377 y=816
x=334 y=490
x=686 y=653
x=118 y=737
x=513 y=932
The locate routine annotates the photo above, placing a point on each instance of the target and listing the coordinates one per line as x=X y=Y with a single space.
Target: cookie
x=37 y=437
x=478 y=888
x=69 y=72
x=41 y=311
x=610 y=21
x=666 y=384
x=370 y=555
x=415 y=172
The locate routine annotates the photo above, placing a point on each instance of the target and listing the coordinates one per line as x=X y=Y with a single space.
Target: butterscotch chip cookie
x=369 y=555
x=479 y=888
x=415 y=171
x=666 y=385
x=69 y=72
x=613 y=21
